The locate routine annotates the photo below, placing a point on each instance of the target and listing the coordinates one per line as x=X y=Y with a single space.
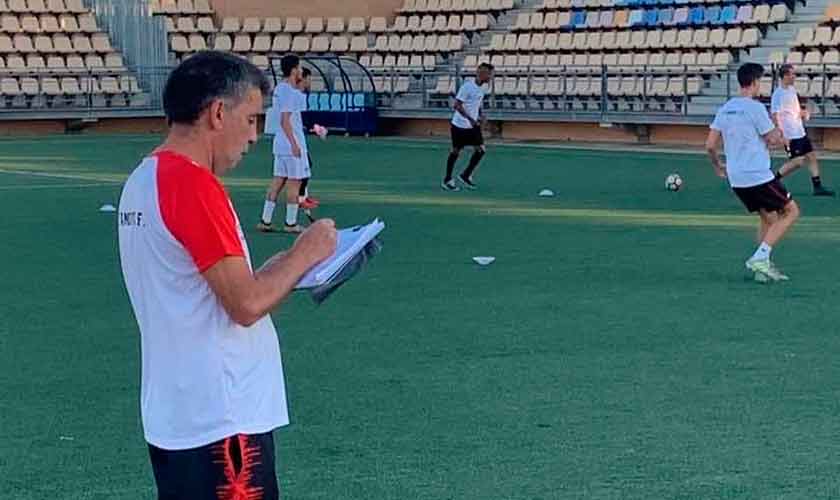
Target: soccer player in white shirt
x=747 y=131
x=212 y=388
x=291 y=159
x=788 y=115
x=466 y=129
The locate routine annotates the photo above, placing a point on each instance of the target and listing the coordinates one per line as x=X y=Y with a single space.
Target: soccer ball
x=673 y=182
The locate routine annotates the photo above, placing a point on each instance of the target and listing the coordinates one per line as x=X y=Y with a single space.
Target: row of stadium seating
x=626 y=62
x=454 y=23
x=36 y=63
x=56 y=44
x=616 y=40
x=814 y=87
x=822 y=36
x=812 y=60
x=181 y=6
x=446 y=6
x=682 y=16
x=599 y=4
x=103 y=91
x=43 y=6
x=48 y=23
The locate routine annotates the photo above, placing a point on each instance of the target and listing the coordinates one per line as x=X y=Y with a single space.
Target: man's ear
x=216 y=114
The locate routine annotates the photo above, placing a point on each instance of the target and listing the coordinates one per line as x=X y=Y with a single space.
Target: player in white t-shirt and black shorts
x=466 y=129
x=746 y=130
x=789 y=115
x=291 y=158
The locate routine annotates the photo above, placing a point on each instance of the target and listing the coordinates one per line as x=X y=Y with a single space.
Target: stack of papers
x=354 y=247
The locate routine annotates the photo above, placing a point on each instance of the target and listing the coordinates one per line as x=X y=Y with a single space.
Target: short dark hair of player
x=305 y=73
x=784 y=69
x=487 y=66
x=748 y=74
x=205 y=77
x=288 y=63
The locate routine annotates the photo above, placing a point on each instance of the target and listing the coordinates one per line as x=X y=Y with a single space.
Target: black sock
x=303 y=184
x=817 y=182
x=476 y=158
x=450 y=166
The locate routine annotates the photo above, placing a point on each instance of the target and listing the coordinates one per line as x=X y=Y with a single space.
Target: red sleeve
x=196 y=209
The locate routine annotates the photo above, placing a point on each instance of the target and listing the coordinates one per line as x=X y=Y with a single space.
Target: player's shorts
x=291 y=167
x=463 y=137
x=240 y=466
x=800 y=147
x=770 y=196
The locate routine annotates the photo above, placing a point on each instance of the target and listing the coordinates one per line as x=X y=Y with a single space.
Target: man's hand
x=295 y=150
x=317 y=242
x=720 y=170
x=806 y=114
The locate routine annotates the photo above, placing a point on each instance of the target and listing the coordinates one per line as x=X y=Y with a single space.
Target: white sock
x=763 y=252
x=291 y=214
x=268 y=211
x=301 y=199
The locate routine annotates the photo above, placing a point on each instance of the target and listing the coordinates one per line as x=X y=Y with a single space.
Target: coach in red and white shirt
x=212 y=386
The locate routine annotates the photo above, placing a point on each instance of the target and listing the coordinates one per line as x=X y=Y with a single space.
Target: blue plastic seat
x=666 y=15
x=579 y=19
x=323 y=101
x=651 y=17
x=358 y=101
x=637 y=17
x=337 y=102
x=712 y=15
x=728 y=14
x=696 y=16
x=312 y=102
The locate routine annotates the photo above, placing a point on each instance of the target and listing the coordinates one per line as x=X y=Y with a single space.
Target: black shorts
x=770 y=196
x=463 y=137
x=241 y=463
x=800 y=147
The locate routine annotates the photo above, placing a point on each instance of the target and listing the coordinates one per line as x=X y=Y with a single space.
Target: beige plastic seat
x=761 y=14
x=94 y=62
x=281 y=44
x=357 y=25
x=230 y=25
x=101 y=43
x=185 y=25
x=378 y=25
x=44 y=44
x=35 y=63
x=301 y=44
x=381 y=44
x=594 y=41
x=814 y=59
x=622 y=39
x=18 y=6
x=822 y=37
x=638 y=39
x=795 y=57
x=252 y=25
x=779 y=13
x=440 y=25
x=169 y=6
x=15 y=63
x=222 y=42
x=272 y=25
x=315 y=25
x=31 y=88
x=750 y=37
x=186 y=7
x=832 y=57
x=55 y=64
x=654 y=39
x=497 y=43
x=418 y=43
x=169 y=24
x=293 y=25
x=701 y=38
x=179 y=43
x=339 y=44
x=401 y=25
x=75 y=63
x=49 y=24
x=87 y=23
x=804 y=37
x=717 y=38
x=56 y=6
x=523 y=42
x=10 y=24
x=722 y=60
x=405 y=43
x=454 y=25
x=261 y=43
x=510 y=43
x=114 y=61
x=259 y=60
x=320 y=44
x=359 y=44
x=685 y=39
x=523 y=22
x=30 y=24
x=335 y=25
x=579 y=41
x=23 y=44
x=537 y=42
x=427 y=24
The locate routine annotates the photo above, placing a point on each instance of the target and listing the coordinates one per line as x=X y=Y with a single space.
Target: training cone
x=546 y=193
x=484 y=261
x=107 y=208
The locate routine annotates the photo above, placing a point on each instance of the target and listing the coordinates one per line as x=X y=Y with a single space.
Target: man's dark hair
x=305 y=73
x=784 y=69
x=487 y=66
x=749 y=73
x=288 y=63
x=205 y=77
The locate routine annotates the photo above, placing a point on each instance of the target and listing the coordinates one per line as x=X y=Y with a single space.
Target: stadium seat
x=315 y=25
x=356 y=25
x=222 y=42
x=185 y=25
x=293 y=25
x=804 y=37
x=651 y=17
x=56 y=6
x=230 y=25
x=101 y=43
x=696 y=16
x=339 y=44
x=578 y=19
x=94 y=63
x=301 y=44
x=114 y=61
x=49 y=24
x=335 y=25
x=358 y=44
x=822 y=37
x=251 y=25
x=711 y=15
x=87 y=24
x=378 y=25
x=68 y=23
x=281 y=44
x=262 y=43
x=745 y=13
x=761 y=14
x=186 y=7
x=681 y=17
x=272 y=25
x=728 y=14
x=320 y=44
x=779 y=13
x=637 y=18
x=179 y=43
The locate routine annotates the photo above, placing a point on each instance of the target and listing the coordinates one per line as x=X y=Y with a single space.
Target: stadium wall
x=309 y=8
